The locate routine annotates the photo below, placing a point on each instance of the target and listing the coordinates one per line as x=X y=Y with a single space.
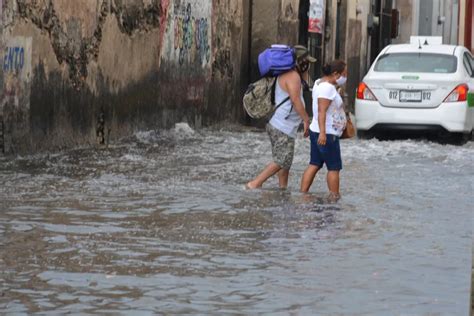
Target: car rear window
x=417 y=62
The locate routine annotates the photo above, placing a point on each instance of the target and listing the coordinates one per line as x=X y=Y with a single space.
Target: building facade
x=466 y=24
x=86 y=71
x=89 y=71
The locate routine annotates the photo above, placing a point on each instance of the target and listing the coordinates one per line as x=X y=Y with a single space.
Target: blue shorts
x=330 y=154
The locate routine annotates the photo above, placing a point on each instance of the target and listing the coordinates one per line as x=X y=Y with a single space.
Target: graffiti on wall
x=222 y=62
x=16 y=68
x=15 y=90
x=191 y=33
x=14 y=59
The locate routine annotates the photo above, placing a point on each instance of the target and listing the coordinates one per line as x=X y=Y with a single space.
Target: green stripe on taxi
x=410 y=77
x=470 y=99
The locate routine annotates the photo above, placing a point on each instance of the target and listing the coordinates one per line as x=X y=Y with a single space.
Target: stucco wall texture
x=85 y=71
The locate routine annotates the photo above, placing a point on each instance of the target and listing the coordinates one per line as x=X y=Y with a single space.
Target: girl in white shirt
x=329 y=121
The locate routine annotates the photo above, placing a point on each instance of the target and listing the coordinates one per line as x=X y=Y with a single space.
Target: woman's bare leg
x=269 y=171
x=283 y=176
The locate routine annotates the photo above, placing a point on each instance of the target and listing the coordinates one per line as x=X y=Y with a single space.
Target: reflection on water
x=161 y=223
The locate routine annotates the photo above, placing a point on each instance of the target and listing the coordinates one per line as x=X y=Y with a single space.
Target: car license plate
x=410 y=96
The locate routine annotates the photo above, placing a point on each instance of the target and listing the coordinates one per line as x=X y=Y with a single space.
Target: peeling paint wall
x=226 y=65
x=289 y=22
x=100 y=69
x=15 y=102
x=273 y=21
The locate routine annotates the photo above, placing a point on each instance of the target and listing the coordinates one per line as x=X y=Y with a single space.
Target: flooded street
x=161 y=224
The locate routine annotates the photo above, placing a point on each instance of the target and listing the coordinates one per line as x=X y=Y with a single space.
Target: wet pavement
x=161 y=224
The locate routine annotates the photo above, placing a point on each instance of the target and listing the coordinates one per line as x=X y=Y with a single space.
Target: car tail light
x=364 y=93
x=459 y=94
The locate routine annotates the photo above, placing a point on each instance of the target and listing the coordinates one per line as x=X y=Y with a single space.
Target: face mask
x=341 y=81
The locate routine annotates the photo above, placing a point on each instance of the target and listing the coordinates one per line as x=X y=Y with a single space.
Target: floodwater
x=161 y=224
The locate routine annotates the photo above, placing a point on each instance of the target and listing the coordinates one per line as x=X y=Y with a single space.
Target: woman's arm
x=323 y=105
x=293 y=87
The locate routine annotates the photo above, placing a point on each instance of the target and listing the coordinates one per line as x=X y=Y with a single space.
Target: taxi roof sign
x=426 y=40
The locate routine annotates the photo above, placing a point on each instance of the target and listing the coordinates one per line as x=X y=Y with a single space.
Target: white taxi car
x=424 y=85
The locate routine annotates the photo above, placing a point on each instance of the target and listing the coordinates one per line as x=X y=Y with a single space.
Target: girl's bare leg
x=308 y=177
x=333 y=182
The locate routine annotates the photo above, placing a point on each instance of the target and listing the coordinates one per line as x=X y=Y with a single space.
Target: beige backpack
x=259 y=99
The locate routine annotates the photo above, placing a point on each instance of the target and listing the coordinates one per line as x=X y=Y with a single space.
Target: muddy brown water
x=160 y=224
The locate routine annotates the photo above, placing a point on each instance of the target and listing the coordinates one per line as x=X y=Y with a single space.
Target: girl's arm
x=323 y=106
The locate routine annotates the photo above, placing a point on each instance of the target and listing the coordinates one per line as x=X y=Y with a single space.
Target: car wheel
x=468 y=136
x=456 y=138
x=464 y=138
x=361 y=134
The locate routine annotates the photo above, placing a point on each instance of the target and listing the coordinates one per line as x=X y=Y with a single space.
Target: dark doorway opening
x=304 y=22
x=381 y=32
x=337 y=54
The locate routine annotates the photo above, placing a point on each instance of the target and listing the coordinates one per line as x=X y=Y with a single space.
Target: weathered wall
x=273 y=21
x=408 y=13
x=353 y=40
x=356 y=44
x=82 y=71
x=288 y=26
x=330 y=29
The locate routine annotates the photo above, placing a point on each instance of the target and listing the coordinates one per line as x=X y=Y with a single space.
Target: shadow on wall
x=61 y=116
